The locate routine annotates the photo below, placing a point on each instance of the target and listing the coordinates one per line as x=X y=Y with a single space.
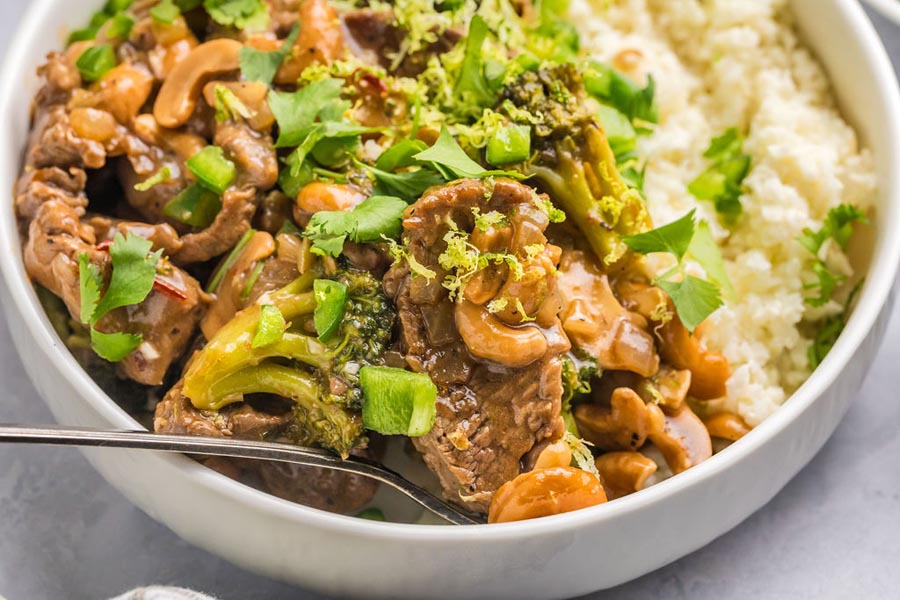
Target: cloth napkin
x=162 y=593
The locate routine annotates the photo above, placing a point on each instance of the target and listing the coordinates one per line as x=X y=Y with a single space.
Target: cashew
x=254 y=95
x=709 y=371
x=179 y=93
x=545 y=492
x=488 y=338
x=228 y=301
x=183 y=144
x=122 y=91
x=683 y=440
x=557 y=454
x=595 y=321
x=624 y=473
x=673 y=386
x=320 y=40
x=93 y=124
x=319 y=196
x=726 y=426
x=625 y=425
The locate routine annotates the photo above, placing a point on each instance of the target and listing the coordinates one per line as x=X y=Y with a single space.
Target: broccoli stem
x=317 y=419
x=588 y=187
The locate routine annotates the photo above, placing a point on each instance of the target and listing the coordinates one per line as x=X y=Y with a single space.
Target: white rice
x=725 y=63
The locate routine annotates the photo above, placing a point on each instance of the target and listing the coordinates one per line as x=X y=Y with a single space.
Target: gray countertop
x=833 y=532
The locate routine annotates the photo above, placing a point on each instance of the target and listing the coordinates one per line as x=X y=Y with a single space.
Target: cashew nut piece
x=545 y=492
x=624 y=473
x=486 y=337
x=179 y=93
x=625 y=425
x=726 y=426
x=557 y=454
x=683 y=440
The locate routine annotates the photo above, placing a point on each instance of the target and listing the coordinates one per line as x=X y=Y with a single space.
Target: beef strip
x=166 y=319
x=489 y=416
x=320 y=488
x=253 y=154
x=37 y=186
x=374 y=36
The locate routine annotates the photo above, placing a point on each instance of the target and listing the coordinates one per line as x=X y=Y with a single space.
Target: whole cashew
x=624 y=473
x=545 y=492
x=486 y=337
x=179 y=93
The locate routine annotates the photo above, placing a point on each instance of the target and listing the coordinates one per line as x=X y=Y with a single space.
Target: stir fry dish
x=355 y=224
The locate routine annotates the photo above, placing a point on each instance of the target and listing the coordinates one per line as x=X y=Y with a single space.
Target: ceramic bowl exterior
x=554 y=557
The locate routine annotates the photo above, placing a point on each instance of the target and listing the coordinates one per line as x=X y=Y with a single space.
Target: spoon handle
x=311 y=457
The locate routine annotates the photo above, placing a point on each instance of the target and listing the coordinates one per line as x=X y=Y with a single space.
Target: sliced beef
x=37 y=186
x=320 y=488
x=253 y=154
x=375 y=37
x=166 y=319
x=54 y=142
x=232 y=222
x=490 y=416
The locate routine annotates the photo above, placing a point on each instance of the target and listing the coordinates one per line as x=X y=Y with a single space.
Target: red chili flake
x=374 y=82
x=104 y=245
x=164 y=287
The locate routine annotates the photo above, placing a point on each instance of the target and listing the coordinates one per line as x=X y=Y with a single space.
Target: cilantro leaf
x=377 y=218
x=165 y=12
x=296 y=112
x=471 y=86
x=409 y=185
x=616 y=90
x=694 y=299
x=721 y=182
x=448 y=158
x=242 y=14
x=829 y=332
x=838 y=226
x=705 y=251
x=400 y=155
x=133 y=273
x=90 y=282
x=261 y=65
x=114 y=347
x=674 y=238
x=270 y=328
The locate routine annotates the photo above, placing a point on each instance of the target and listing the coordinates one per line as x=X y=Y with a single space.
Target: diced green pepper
x=270 y=328
x=212 y=169
x=331 y=304
x=195 y=206
x=95 y=61
x=511 y=144
x=397 y=402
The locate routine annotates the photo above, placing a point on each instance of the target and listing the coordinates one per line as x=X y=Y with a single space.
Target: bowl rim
x=874 y=295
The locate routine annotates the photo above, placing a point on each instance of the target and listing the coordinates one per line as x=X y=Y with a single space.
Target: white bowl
x=889 y=8
x=554 y=557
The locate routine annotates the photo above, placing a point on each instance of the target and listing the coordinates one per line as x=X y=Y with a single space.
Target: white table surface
x=833 y=532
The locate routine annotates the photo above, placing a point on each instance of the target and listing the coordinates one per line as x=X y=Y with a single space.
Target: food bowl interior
x=865 y=86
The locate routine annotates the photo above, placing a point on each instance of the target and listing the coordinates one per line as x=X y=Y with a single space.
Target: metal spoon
x=301 y=455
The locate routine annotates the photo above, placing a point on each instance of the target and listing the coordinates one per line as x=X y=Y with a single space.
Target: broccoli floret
x=577 y=373
x=573 y=159
x=321 y=379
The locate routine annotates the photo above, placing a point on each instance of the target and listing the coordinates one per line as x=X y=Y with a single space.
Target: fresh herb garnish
x=472 y=88
x=828 y=332
x=228 y=106
x=242 y=14
x=377 y=218
x=261 y=65
x=618 y=92
x=448 y=158
x=838 y=226
x=165 y=12
x=133 y=274
x=721 y=182
x=270 y=328
x=694 y=298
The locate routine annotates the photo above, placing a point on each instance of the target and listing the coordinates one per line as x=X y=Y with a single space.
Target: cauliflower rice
x=726 y=63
